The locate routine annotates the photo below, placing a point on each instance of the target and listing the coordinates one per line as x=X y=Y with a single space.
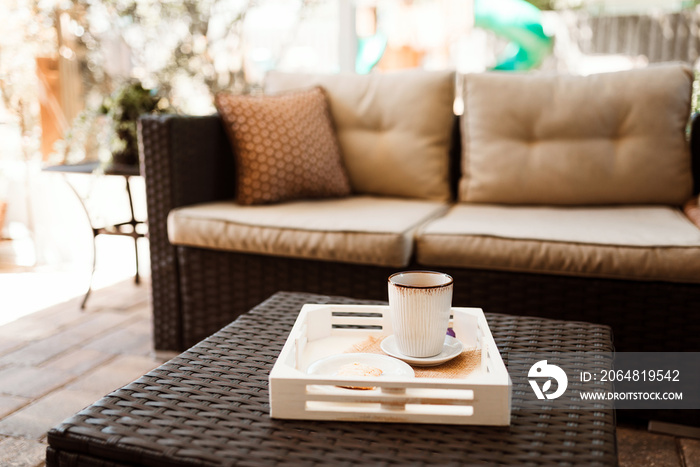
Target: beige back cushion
x=611 y=138
x=394 y=128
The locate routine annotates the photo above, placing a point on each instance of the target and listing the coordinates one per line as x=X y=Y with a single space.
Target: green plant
x=123 y=109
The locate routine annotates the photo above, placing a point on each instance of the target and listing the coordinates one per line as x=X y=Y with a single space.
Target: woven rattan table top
x=210 y=406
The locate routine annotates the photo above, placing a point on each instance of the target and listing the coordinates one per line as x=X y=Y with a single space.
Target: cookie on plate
x=358 y=369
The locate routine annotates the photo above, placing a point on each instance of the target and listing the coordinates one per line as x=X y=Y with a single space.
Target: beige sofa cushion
x=394 y=128
x=643 y=243
x=612 y=138
x=362 y=229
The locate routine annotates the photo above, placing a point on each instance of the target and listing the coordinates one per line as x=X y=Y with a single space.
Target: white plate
x=450 y=350
x=390 y=366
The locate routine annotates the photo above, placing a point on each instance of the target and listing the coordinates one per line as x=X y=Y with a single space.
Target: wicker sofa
x=648 y=292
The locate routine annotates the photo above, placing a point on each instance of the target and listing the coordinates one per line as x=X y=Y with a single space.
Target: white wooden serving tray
x=481 y=398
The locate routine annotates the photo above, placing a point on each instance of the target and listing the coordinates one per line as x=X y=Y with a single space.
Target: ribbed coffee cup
x=420 y=303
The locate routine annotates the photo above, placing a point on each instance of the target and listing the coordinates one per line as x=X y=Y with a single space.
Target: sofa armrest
x=184 y=160
x=695 y=151
x=193 y=156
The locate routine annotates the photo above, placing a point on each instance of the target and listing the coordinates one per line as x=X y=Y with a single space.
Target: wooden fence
x=661 y=37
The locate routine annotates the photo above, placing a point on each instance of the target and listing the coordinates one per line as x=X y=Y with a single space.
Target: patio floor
x=58 y=360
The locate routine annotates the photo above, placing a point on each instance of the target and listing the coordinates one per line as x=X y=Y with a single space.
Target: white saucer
x=390 y=366
x=450 y=350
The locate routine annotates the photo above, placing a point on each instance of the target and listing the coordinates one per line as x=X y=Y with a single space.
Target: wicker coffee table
x=209 y=406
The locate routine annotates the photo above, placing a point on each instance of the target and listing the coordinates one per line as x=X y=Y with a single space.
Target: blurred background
x=75 y=75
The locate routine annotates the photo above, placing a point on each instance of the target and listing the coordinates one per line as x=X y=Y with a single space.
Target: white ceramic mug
x=420 y=304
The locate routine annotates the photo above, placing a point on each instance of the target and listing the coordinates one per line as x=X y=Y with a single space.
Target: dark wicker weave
x=209 y=406
x=188 y=160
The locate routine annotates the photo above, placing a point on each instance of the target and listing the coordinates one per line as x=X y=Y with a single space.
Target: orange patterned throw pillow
x=285 y=147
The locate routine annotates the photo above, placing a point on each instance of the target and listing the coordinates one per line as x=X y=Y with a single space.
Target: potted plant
x=122 y=110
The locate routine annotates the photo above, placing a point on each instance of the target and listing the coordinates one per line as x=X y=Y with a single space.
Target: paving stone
x=78 y=361
x=31 y=382
x=15 y=452
x=97 y=324
x=640 y=448
x=690 y=449
x=33 y=421
x=26 y=330
x=39 y=351
x=44 y=323
x=134 y=339
x=114 y=374
x=9 y=344
x=123 y=296
x=9 y=404
x=57 y=316
x=140 y=303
